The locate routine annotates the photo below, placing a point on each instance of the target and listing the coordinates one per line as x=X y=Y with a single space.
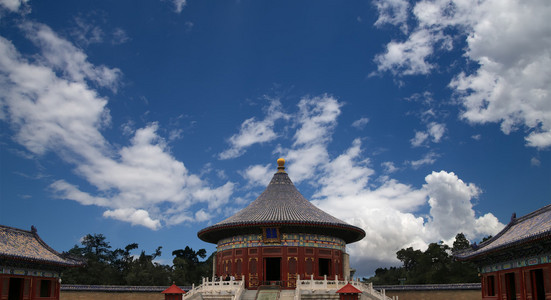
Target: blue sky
x=148 y=121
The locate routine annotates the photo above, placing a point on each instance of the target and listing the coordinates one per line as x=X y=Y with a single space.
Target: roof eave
x=206 y=233
x=474 y=256
x=41 y=261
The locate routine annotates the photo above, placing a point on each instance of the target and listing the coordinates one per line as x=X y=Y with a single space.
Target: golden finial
x=281 y=165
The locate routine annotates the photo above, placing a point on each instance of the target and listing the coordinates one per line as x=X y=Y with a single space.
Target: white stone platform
x=305 y=289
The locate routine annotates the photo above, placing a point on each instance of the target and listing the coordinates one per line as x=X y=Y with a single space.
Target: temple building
x=29 y=268
x=516 y=263
x=280 y=237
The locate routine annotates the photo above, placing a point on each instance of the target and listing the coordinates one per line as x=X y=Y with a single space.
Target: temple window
x=270 y=235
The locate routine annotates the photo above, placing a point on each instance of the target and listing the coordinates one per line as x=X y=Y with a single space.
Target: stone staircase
x=249 y=295
x=268 y=295
x=319 y=296
x=287 y=295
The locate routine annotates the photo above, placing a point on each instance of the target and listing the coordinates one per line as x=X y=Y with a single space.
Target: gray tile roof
x=22 y=245
x=532 y=227
x=283 y=205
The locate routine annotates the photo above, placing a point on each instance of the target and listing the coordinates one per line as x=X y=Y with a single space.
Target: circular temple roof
x=281 y=205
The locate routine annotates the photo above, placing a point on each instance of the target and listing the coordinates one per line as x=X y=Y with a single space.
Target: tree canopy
x=121 y=267
x=433 y=266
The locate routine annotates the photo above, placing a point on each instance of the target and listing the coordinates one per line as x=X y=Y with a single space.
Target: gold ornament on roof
x=281 y=165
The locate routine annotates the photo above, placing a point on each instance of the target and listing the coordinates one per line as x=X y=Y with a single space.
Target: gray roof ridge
x=477 y=250
x=67 y=259
x=282 y=203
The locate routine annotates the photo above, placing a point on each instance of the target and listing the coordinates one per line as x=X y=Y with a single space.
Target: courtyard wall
x=468 y=291
x=404 y=292
x=109 y=292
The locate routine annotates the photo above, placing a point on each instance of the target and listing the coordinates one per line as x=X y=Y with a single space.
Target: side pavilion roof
x=173 y=289
x=281 y=204
x=349 y=289
x=533 y=227
x=27 y=246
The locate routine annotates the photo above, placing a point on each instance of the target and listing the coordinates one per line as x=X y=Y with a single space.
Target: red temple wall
x=522 y=283
x=29 y=287
x=303 y=261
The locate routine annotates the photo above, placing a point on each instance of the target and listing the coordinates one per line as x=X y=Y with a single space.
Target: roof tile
x=27 y=245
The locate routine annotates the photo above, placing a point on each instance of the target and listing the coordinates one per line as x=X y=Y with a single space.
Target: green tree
x=122 y=260
x=409 y=257
x=436 y=264
x=462 y=271
x=118 y=267
x=384 y=276
x=144 y=271
x=187 y=267
x=96 y=252
x=460 y=242
x=432 y=266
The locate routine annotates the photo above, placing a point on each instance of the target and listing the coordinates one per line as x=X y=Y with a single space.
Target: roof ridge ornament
x=281 y=165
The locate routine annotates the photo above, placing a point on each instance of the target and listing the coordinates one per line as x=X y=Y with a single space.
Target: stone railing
x=326 y=285
x=235 y=288
x=218 y=287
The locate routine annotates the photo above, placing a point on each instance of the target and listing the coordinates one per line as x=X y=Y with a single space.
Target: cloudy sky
x=148 y=121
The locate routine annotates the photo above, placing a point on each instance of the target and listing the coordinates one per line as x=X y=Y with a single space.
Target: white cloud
x=314 y=122
x=385 y=213
x=507 y=39
x=419 y=139
x=388 y=215
x=316 y=119
x=389 y=167
x=175 y=134
x=87 y=33
x=45 y=110
x=13 y=5
x=134 y=217
x=201 y=215
x=389 y=211
x=360 y=123
x=61 y=55
x=409 y=57
x=253 y=131
x=68 y=191
x=345 y=173
x=64 y=115
x=119 y=36
x=451 y=208
x=215 y=197
x=394 y=12
x=513 y=84
x=258 y=174
x=428 y=159
x=303 y=162
x=179 y=5
x=436 y=131
x=188 y=26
